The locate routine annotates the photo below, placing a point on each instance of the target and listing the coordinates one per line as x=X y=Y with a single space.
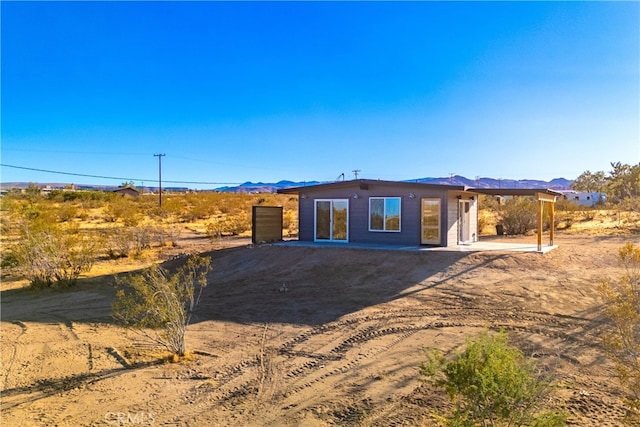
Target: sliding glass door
x=332 y=220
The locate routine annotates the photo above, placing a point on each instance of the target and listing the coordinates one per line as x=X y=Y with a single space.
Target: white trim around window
x=385 y=214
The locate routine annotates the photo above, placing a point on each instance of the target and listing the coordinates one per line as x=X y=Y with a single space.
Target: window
x=384 y=214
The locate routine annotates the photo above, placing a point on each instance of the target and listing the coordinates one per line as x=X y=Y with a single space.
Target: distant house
x=127 y=191
x=584 y=198
x=393 y=213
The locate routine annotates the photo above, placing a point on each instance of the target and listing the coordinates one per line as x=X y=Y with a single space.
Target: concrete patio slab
x=471 y=247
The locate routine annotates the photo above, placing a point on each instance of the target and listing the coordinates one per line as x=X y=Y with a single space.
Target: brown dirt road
x=291 y=336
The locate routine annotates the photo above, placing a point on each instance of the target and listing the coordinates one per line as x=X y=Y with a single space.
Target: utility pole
x=159 y=156
x=356 y=172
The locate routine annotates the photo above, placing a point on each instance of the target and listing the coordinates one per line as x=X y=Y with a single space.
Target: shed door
x=430 y=222
x=331 y=220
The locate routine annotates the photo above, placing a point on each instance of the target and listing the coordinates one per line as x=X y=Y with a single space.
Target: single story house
x=583 y=198
x=391 y=212
x=127 y=192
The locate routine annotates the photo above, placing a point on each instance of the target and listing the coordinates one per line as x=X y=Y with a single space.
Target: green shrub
x=492 y=384
x=162 y=301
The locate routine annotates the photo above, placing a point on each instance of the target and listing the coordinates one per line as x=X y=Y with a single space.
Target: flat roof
x=367 y=182
x=409 y=184
x=515 y=191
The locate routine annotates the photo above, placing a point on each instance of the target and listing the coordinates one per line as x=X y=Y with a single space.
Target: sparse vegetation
x=518 y=215
x=492 y=384
x=622 y=340
x=107 y=226
x=51 y=255
x=162 y=301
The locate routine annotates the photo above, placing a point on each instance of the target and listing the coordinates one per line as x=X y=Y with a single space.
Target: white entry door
x=464 y=222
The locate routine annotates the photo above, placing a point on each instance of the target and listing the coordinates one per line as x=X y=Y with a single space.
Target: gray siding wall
x=474 y=220
x=359 y=213
x=452 y=217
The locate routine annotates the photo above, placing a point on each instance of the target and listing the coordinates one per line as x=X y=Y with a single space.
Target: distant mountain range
x=554 y=184
x=261 y=187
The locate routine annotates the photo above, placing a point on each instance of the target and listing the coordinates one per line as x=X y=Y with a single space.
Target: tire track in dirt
x=16 y=351
x=302 y=368
x=32 y=392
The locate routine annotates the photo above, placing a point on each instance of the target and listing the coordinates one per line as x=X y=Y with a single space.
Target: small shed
x=127 y=192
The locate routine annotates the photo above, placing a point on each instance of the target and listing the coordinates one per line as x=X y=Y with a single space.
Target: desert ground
x=312 y=336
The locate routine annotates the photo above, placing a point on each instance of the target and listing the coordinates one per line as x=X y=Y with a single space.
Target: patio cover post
x=543 y=198
x=552 y=227
x=540 y=205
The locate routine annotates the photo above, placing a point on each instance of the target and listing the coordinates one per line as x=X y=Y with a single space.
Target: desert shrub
x=622 y=339
x=123 y=209
x=566 y=205
x=172 y=234
x=119 y=242
x=562 y=220
x=290 y=221
x=228 y=225
x=489 y=203
x=81 y=196
x=492 y=384
x=564 y=215
x=132 y=241
x=49 y=254
x=162 y=301
x=518 y=215
x=589 y=214
x=66 y=212
x=482 y=223
x=201 y=208
x=214 y=228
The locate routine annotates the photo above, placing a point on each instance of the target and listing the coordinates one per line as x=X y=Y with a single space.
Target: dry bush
x=228 y=225
x=123 y=209
x=290 y=222
x=518 y=215
x=67 y=212
x=132 y=241
x=622 y=340
x=162 y=301
x=51 y=255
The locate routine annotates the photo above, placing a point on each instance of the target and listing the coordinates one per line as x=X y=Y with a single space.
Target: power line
x=115 y=177
x=101 y=153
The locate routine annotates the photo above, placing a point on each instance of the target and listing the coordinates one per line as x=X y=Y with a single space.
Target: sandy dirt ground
x=292 y=336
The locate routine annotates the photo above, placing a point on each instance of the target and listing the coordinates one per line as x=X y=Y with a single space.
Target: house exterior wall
x=453 y=216
x=585 y=198
x=410 y=213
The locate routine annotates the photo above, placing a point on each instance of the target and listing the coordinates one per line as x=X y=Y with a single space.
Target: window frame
x=385 y=214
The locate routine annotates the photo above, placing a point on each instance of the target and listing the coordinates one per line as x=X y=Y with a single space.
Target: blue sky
x=243 y=91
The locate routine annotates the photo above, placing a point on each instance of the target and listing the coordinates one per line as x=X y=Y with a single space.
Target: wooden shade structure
x=541 y=196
